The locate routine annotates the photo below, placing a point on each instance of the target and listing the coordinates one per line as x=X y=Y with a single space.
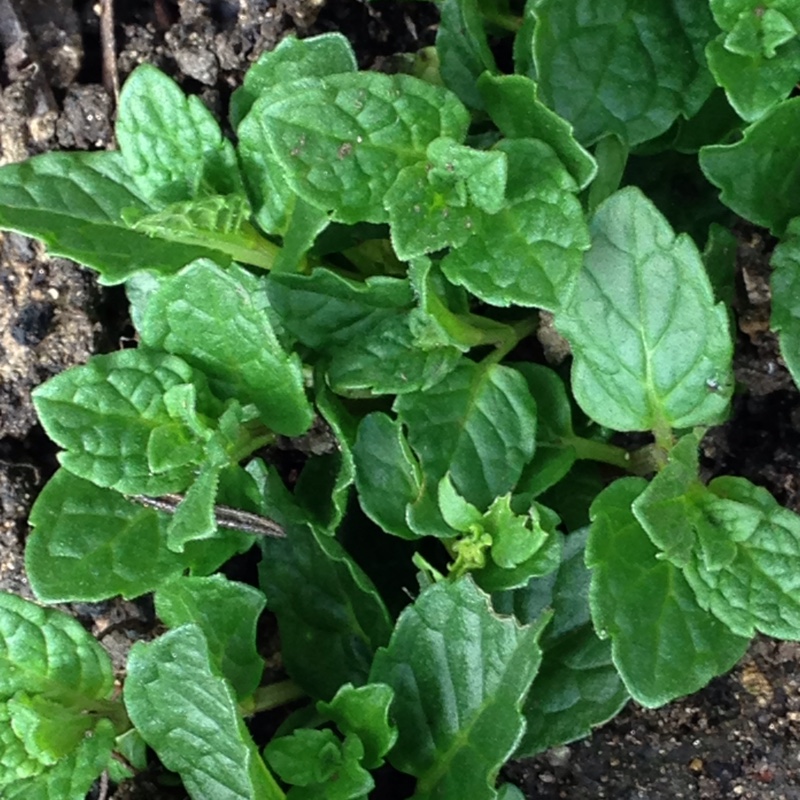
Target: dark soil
x=740 y=737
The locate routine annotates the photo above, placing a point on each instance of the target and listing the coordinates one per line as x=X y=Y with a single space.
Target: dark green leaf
x=785 y=282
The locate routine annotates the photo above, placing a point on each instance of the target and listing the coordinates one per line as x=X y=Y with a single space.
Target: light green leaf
x=109 y=412
x=227 y=612
x=622 y=68
x=188 y=714
x=651 y=348
x=460 y=673
x=364 y=712
x=218 y=223
x=463 y=49
x=577 y=686
x=171 y=143
x=342 y=141
x=478 y=424
x=530 y=252
x=216 y=320
x=664 y=643
x=291 y=60
x=74 y=203
x=758 y=175
x=513 y=103
x=785 y=283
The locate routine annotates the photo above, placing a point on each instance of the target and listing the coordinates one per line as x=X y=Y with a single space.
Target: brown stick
x=108 y=46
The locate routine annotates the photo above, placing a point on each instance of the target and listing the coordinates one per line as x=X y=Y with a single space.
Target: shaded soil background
x=740 y=737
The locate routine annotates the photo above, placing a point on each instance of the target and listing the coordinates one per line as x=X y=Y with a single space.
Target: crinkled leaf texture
x=460 y=673
x=113 y=419
x=227 y=612
x=664 y=643
x=758 y=175
x=52 y=672
x=74 y=203
x=217 y=321
x=652 y=349
x=624 y=68
x=577 y=687
x=186 y=711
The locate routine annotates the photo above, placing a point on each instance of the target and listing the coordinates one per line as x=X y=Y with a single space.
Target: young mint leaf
x=320 y=765
x=577 y=686
x=74 y=203
x=754 y=83
x=478 y=424
x=330 y=615
x=622 y=69
x=341 y=141
x=383 y=458
x=512 y=101
x=172 y=145
x=460 y=673
x=463 y=49
x=216 y=320
x=227 y=612
x=664 y=643
x=530 y=252
x=87 y=543
x=364 y=712
x=755 y=28
x=218 y=223
x=785 y=283
x=649 y=343
x=110 y=412
x=293 y=59
x=757 y=175
x=456 y=511
x=187 y=713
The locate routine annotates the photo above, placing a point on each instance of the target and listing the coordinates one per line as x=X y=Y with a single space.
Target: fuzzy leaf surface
x=664 y=643
x=622 y=68
x=648 y=339
x=227 y=612
x=460 y=673
x=216 y=320
x=186 y=711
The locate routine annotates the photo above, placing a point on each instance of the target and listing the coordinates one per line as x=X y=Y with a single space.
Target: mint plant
x=475 y=562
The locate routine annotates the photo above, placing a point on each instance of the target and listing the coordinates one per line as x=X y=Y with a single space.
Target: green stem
x=272 y=696
x=517 y=332
x=507 y=22
x=644 y=461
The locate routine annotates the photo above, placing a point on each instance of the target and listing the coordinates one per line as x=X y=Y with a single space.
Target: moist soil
x=738 y=738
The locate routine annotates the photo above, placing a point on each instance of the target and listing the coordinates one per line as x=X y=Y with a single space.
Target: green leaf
x=74 y=203
x=330 y=615
x=664 y=643
x=45 y=652
x=320 y=765
x=758 y=174
x=187 y=713
x=171 y=144
x=622 y=68
x=110 y=412
x=577 y=686
x=460 y=674
x=530 y=252
x=88 y=541
x=754 y=84
x=364 y=712
x=463 y=49
x=342 y=141
x=648 y=341
x=383 y=458
x=478 y=424
x=785 y=283
x=291 y=60
x=756 y=28
x=227 y=612
x=216 y=320
x=513 y=103
x=218 y=223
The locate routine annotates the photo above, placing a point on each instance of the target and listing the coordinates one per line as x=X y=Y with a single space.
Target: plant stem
x=644 y=461
x=518 y=331
x=272 y=696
